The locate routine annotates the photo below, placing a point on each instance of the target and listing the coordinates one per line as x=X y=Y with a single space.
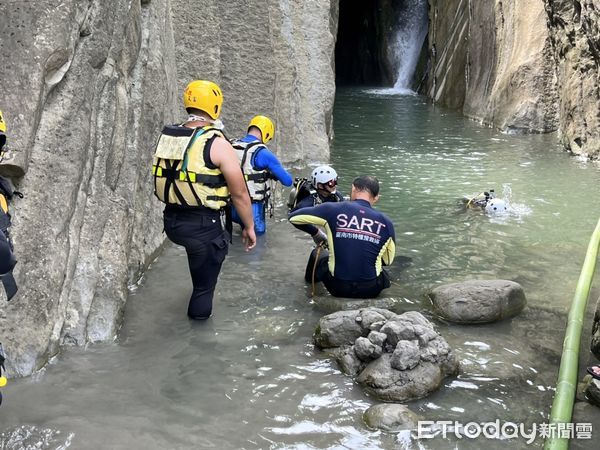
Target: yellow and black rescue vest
x=256 y=180
x=182 y=168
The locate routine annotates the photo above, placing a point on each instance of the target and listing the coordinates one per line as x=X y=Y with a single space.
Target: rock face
x=84 y=85
x=270 y=57
x=396 y=358
x=478 y=301
x=575 y=35
x=85 y=88
x=520 y=66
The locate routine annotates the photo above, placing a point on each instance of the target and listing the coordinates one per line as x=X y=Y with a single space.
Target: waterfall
x=411 y=31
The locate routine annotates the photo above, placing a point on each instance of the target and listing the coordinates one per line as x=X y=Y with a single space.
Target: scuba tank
x=300 y=189
x=481 y=200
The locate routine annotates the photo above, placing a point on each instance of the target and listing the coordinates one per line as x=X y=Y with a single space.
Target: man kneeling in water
x=360 y=239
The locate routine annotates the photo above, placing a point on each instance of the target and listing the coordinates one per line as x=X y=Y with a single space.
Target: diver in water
x=488 y=202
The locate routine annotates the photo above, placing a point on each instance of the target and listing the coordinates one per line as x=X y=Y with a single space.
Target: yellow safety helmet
x=2 y=123
x=265 y=125
x=205 y=96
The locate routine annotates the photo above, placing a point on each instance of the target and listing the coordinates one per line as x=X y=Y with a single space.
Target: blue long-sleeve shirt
x=360 y=238
x=264 y=159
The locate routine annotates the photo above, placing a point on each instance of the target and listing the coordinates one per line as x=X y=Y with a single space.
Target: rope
x=319 y=248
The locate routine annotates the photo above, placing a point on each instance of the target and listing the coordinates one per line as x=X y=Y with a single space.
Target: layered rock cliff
x=520 y=66
x=86 y=86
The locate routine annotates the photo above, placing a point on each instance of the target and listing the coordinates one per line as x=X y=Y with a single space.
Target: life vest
x=257 y=180
x=182 y=168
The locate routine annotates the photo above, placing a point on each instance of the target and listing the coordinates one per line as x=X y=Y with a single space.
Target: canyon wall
x=86 y=87
x=520 y=66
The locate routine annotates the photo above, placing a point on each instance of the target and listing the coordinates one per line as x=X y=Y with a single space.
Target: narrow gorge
x=86 y=85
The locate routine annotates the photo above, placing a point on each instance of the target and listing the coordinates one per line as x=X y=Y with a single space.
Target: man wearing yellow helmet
x=197 y=173
x=260 y=166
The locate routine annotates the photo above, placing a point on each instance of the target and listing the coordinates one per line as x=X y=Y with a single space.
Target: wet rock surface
x=391 y=417
x=478 y=301
x=520 y=66
x=393 y=357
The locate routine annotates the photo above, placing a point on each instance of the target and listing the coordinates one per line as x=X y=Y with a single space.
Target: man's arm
x=307 y=218
x=313 y=215
x=306 y=202
x=265 y=160
x=389 y=252
x=389 y=249
x=224 y=157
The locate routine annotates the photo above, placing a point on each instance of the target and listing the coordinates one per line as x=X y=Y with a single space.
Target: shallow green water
x=427 y=159
x=250 y=377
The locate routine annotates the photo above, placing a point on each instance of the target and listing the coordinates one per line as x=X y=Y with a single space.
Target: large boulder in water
x=344 y=327
x=478 y=301
x=391 y=417
x=395 y=358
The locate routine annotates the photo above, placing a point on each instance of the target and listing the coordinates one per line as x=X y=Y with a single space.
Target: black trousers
x=342 y=288
x=7 y=263
x=7 y=259
x=206 y=245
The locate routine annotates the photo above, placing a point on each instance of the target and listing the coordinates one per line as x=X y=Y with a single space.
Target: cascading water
x=410 y=34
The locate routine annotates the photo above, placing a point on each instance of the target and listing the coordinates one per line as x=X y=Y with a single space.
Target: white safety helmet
x=496 y=206
x=323 y=175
